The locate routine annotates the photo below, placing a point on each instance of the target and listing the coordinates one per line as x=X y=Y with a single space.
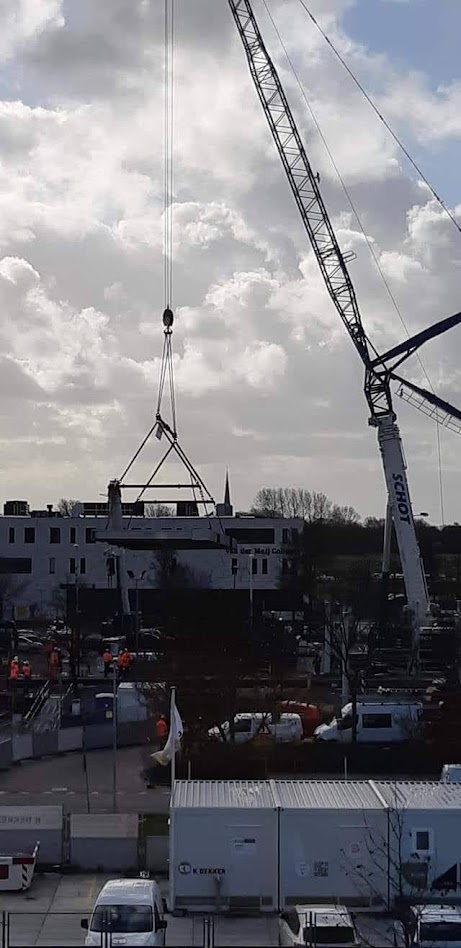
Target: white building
x=42 y=552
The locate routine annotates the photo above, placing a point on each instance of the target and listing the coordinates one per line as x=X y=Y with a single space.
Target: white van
x=377 y=722
x=430 y=926
x=249 y=724
x=451 y=773
x=131 y=910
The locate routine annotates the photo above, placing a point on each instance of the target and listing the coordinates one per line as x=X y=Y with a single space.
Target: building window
x=29 y=534
x=90 y=535
x=254 y=566
x=9 y=565
x=264 y=567
x=235 y=566
x=72 y=565
x=285 y=535
x=11 y=535
x=55 y=534
x=73 y=535
x=51 y=565
x=82 y=565
x=377 y=721
x=422 y=840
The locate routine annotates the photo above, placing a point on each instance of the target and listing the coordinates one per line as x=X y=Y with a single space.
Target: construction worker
x=107 y=660
x=53 y=664
x=161 y=730
x=26 y=669
x=124 y=662
x=13 y=671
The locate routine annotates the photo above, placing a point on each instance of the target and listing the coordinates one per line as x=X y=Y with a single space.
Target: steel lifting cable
x=168 y=184
x=355 y=211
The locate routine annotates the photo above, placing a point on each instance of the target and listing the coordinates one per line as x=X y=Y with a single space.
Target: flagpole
x=173 y=753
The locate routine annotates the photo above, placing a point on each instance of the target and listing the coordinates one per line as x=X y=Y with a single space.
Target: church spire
x=227 y=500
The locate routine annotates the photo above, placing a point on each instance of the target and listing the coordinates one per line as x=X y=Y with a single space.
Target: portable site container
x=223 y=846
x=332 y=842
x=424 y=838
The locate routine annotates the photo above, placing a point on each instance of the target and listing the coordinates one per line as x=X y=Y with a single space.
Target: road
x=61 y=780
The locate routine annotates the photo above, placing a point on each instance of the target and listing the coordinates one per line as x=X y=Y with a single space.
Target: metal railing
x=36 y=705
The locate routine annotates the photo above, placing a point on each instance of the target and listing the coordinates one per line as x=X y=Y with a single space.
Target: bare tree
x=10 y=589
x=66 y=506
x=298 y=502
x=158 y=510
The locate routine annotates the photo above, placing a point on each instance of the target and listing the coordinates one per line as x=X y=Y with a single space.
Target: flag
x=173 y=742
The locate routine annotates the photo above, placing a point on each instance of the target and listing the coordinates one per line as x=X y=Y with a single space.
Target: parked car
x=317 y=926
x=28 y=642
x=377 y=722
x=130 y=910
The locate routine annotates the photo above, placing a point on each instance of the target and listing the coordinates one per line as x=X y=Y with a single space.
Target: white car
x=317 y=926
x=430 y=926
x=128 y=912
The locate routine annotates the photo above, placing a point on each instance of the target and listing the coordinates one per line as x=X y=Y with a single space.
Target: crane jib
x=302 y=180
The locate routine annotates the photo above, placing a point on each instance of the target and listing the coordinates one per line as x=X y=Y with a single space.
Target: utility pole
x=250 y=561
x=114 y=737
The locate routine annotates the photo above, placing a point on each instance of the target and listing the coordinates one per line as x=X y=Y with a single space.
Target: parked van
x=451 y=773
x=249 y=724
x=377 y=722
x=131 y=910
x=430 y=926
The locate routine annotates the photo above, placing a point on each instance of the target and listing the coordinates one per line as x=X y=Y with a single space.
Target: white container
x=17 y=870
x=328 y=832
x=224 y=846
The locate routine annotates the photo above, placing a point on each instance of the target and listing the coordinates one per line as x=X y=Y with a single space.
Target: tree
x=169 y=573
x=298 y=502
x=157 y=510
x=66 y=506
x=10 y=589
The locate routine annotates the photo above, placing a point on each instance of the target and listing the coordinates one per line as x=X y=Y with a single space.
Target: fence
x=20 y=930
x=103 y=842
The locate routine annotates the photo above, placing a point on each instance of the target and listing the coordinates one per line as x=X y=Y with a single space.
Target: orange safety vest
x=14 y=670
x=126 y=659
x=161 y=729
x=27 y=671
x=54 y=658
x=120 y=660
x=106 y=657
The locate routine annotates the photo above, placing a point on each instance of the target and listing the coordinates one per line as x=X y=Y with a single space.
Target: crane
x=379 y=368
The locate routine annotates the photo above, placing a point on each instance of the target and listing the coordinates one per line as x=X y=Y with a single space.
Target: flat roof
x=420 y=794
x=327 y=795
x=224 y=794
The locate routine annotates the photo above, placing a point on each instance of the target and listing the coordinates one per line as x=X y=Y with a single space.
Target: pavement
x=62 y=780
x=50 y=912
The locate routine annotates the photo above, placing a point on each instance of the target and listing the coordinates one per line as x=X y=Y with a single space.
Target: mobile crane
x=379 y=369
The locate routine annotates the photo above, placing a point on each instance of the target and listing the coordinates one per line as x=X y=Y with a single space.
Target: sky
x=268 y=382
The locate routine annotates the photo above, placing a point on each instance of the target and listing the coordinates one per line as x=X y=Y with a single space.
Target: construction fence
x=100 y=842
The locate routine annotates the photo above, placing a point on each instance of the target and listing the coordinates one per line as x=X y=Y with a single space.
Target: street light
x=250 y=561
x=137 y=580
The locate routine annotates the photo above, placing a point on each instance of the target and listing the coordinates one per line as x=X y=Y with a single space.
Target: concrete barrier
x=97 y=736
x=70 y=739
x=104 y=842
x=6 y=753
x=44 y=743
x=21 y=827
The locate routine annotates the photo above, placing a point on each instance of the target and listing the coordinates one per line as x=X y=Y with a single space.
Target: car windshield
x=433 y=932
x=122 y=918
x=329 y=935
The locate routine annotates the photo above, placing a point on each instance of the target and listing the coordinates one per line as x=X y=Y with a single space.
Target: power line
x=356 y=213
x=386 y=124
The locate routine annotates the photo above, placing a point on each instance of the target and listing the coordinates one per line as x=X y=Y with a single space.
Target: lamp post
x=76 y=642
x=250 y=566
x=137 y=580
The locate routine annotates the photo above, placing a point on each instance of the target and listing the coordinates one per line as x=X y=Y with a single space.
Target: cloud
x=267 y=380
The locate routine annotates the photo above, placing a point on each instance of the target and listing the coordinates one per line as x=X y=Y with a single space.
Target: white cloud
x=267 y=379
